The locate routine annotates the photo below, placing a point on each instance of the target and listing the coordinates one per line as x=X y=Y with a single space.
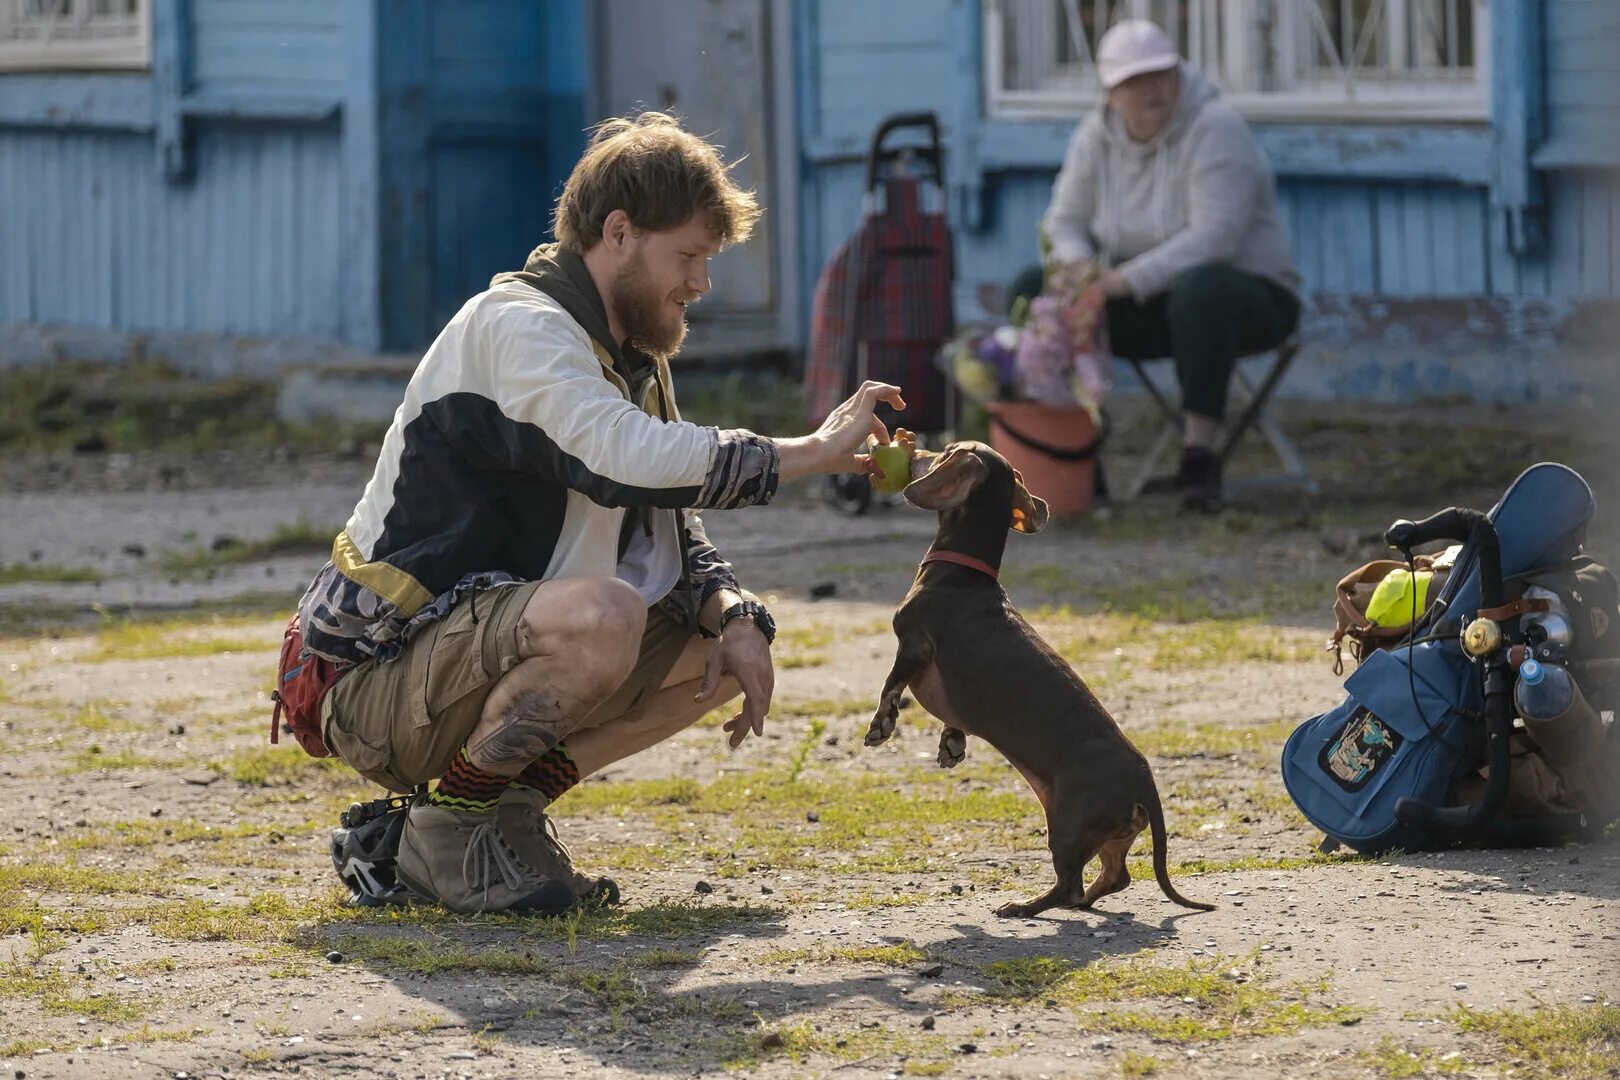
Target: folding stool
x=1294 y=472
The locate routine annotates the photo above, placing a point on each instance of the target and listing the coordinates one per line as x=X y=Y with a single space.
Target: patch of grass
x=668 y=958
x=759 y=401
x=1563 y=1041
x=791 y=661
x=814 y=636
x=30 y=619
x=1213 y=642
x=663 y=919
x=431 y=955
x=174 y=638
x=267 y=918
x=18 y=573
x=900 y=955
x=1142 y=870
x=801 y=753
x=97 y=717
x=114 y=835
x=1391 y=1059
x=94 y=757
x=20 y=915
x=870 y=899
x=70 y=879
x=613 y=988
x=1134 y=1064
x=1040 y=578
x=1205 y=1000
x=54 y=990
x=619 y=796
x=146 y=1033
x=288 y=538
x=1029 y=976
x=1160 y=600
x=24 y=1047
x=803 y=1040
x=826 y=708
x=144 y=404
x=25 y=620
x=276 y=767
x=757 y=819
x=1206 y=740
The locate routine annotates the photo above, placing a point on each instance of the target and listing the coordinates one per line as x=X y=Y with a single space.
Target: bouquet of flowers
x=1054 y=350
x=1063 y=356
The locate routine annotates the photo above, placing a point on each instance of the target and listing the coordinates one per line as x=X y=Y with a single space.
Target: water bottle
x=1556 y=716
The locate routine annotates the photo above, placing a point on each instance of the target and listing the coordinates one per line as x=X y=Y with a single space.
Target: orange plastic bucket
x=1054 y=446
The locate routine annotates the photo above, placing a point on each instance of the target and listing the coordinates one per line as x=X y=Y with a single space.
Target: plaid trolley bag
x=882 y=307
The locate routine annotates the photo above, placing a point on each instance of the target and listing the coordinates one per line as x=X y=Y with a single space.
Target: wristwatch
x=754 y=609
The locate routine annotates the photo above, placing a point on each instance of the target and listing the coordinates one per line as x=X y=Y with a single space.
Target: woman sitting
x=1167 y=188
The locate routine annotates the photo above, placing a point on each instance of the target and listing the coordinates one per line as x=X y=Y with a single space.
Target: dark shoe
x=1198 y=481
x=461 y=859
x=523 y=821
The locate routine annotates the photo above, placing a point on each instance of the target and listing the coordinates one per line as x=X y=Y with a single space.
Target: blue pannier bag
x=1411 y=726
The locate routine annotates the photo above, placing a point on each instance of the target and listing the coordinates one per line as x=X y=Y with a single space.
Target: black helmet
x=364 y=854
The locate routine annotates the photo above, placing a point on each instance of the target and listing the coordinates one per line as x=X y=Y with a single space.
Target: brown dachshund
x=974 y=663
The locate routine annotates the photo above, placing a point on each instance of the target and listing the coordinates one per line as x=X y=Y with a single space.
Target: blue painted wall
x=95 y=236
x=218 y=193
x=1402 y=232
x=1583 y=81
x=345 y=173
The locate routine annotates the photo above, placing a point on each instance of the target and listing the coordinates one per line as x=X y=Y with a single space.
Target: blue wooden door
x=482 y=117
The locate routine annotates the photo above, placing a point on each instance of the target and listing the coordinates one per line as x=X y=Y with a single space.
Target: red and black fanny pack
x=302 y=680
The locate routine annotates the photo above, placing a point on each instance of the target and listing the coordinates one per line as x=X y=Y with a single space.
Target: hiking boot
x=1198 y=481
x=522 y=818
x=460 y=858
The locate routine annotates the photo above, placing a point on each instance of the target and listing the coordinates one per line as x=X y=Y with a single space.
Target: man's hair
x=659 y=174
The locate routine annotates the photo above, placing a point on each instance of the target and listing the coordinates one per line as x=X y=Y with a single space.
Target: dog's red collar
x=962 y=560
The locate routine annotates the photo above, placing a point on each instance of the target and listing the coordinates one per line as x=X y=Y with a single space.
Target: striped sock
x=551 y=775
x=467 y=787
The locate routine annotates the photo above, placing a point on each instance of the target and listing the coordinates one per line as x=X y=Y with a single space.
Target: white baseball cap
x=1133 y=47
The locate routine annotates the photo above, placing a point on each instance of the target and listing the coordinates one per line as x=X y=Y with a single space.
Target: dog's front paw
x=882 y=725
x=952 y=747
x=1014 y=910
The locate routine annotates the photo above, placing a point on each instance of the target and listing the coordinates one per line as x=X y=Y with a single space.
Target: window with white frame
x=57 y=35
x=1276 y=59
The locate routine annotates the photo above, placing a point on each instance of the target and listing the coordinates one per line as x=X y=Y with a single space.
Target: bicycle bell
x=1481 y=637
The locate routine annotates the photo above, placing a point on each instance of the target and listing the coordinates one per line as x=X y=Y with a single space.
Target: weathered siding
x=228 y=192
x=1583 y=78
x=269 y=47
x=96 y=237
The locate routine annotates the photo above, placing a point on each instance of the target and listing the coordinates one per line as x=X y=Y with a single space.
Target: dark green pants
x=1212 y=315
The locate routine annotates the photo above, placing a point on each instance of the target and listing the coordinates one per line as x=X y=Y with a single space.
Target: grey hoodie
x=1201 y=191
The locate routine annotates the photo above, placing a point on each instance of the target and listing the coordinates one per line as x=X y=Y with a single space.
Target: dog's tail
x=1161 y=871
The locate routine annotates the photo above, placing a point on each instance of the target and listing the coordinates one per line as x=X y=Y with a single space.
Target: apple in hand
x=890 y=464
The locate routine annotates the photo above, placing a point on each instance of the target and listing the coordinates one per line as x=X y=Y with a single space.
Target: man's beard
x=639 y=310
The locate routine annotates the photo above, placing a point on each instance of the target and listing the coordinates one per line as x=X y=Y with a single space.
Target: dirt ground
x=803 y=906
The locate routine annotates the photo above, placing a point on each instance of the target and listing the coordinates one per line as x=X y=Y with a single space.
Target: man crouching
x=524 y=594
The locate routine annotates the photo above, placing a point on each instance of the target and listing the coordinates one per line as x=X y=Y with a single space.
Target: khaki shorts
x=401 y=723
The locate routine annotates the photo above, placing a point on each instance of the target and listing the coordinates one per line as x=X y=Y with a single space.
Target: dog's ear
x=1029 y=512
x=948 y=483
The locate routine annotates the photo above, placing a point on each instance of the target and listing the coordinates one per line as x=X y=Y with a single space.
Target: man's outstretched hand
x=745 y=655
x=835 y=446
